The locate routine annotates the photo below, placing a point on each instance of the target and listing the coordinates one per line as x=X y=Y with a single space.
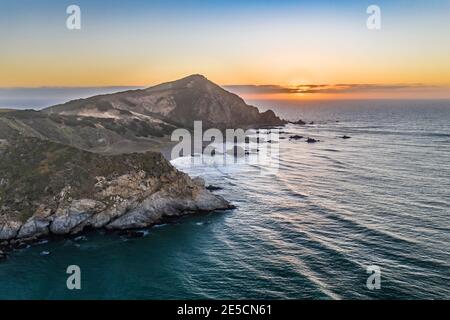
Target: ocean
x=310 y=230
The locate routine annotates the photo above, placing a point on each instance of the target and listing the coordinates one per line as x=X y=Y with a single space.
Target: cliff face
x=47 y=188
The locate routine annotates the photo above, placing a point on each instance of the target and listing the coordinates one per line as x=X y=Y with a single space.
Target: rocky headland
x=48 y=188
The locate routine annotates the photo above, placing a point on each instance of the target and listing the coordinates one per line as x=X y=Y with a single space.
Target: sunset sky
x=259 y=49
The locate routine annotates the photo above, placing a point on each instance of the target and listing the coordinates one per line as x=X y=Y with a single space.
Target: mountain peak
x=177 y=103
x=192 y=80
x=195 y=77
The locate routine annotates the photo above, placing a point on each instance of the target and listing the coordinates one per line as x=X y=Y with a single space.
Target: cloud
x=327 y=88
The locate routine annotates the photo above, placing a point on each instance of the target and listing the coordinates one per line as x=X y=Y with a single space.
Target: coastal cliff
x=48 y=188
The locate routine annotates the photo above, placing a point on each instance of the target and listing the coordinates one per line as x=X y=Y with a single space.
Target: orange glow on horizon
x=441 y=94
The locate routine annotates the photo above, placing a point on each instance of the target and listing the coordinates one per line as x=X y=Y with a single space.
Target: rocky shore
x=51 y=189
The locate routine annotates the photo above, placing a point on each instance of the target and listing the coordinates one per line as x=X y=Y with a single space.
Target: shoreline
x=131 y=233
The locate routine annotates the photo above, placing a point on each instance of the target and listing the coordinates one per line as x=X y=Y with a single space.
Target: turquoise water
x=309 y=231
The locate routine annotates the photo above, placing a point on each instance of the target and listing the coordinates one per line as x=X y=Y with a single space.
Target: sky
x=259 y=49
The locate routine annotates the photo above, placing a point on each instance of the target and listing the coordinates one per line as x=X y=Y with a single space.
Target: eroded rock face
x=66 y=219
x=9 y=229
x=166 y=204
x=134 y=191
x=130 y=201
x=34 y=227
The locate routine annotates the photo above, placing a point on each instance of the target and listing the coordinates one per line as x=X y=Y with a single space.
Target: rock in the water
x=2 y=255
x=41 y=242
x=213 y=188
x=296 y=137
x=299 y=122
x=311 y=140
x=134 y=234
x=80 y=238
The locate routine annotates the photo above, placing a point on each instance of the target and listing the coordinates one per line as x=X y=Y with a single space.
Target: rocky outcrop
x=299 y=122
x=213 y=188
x=84 y=190
x=312 y=140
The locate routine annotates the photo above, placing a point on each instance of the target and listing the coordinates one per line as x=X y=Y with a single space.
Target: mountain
x=136 y=120
x=178 y=103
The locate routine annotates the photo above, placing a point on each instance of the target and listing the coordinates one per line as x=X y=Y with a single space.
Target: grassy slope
x=94 y=134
